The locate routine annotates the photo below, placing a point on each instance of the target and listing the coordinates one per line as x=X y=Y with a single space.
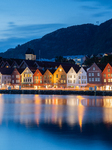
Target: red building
x=107 y=77
x=94 y=75
x=38 y=78
x=16 y=77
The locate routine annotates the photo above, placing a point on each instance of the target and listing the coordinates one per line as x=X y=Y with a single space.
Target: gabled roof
x=30 y=51
x=6 y=71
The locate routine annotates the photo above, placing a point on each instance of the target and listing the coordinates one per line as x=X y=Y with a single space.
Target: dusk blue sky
x=25 y=20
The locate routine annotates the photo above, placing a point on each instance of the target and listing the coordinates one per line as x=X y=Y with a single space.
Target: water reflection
x=74 y=115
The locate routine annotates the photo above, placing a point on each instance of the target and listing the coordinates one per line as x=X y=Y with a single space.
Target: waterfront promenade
x=57 y=92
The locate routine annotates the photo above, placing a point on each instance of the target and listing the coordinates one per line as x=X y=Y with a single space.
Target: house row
x=63 y=76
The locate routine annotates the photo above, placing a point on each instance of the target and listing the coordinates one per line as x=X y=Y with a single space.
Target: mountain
x=74 y=40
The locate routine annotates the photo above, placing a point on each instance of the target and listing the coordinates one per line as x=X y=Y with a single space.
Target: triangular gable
x=2 y=64
x=81 y=70
x=71 y=70
x=108 y=66
x=14 y=65
x=36 y=65
x=60 y=66
x=23 y=64
x=94 y=64
x=47 y=71
x=26 y=70
x=6 y=65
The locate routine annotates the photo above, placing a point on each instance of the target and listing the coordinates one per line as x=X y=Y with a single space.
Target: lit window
x=104 y=80
x=108 y=80
x=61 y=81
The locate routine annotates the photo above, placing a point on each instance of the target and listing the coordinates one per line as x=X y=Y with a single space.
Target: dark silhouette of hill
x=74 y=40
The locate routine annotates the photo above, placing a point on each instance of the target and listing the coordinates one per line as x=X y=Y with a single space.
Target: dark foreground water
x=41 y=122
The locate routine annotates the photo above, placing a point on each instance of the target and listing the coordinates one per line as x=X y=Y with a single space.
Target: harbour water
x=52 y=122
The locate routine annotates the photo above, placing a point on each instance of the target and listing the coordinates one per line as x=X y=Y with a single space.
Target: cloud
x=16 y=34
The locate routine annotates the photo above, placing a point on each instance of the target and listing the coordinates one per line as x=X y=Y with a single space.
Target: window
x=71 y=70
x=30 y=80
x=34 y=77
x=70 y=76
x=74 y=81
x=34 y=81
x=26 y=80
x=98 y=74
x=17 y=76
x=64 y=81
x=108 y=80
x=69 y=81
x=61 y=81
x=28 y=75
x=108 y=69
x=44 y=81
x=89 y=74
x=74 y=76
x=40 y=81
x=12 y=76
x=37 y=77
x=104 y=80
x=12 y=81
x=17 y=81
x=92 y=79
x=56 y=75
x=79 y=77
x=93 y=68
x=92 y=74
x=89 y=79
x=45 y=77
x=83 y=77
x=108 y=75
x=50 y=76
x=25 y=75
x=37 y=81
x=104 y=75
x=96 y=79
x=40 y=77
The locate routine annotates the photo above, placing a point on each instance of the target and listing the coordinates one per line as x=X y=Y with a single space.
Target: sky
x=25 y=20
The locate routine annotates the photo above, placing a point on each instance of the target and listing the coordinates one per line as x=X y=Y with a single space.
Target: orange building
x=38 y=78
x=60 y=77
x=107 y=77
x=48 y=78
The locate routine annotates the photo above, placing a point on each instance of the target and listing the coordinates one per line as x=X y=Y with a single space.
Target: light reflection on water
x=55 y=122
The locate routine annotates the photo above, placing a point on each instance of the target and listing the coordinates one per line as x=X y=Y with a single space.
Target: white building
x=30 y=55
x=72 y=78
x=82 y=77
x=5 y=77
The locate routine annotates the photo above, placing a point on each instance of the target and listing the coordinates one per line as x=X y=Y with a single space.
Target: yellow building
x=60 y=77
x=48 y=78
